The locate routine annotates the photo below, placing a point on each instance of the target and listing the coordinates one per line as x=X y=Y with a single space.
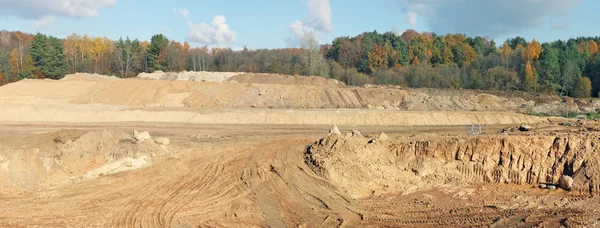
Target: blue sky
x=279 y=23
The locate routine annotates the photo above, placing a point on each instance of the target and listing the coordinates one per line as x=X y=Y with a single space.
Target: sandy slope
x=68 y=113
x=255 y=92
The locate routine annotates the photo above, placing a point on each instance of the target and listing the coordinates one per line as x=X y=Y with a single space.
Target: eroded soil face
x=240 y=176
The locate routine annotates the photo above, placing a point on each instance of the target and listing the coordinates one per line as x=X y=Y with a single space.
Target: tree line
x=411 y=59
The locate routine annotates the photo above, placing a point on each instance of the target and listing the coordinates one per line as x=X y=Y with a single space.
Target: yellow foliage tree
x=72 y=49
x=469 y=54
x=376 y=59
x=583 y=88
x=534 y=49
x=593 y=47
x=506 y=52
x=2 y=79
x=15 y=67
x=530 y=77
x=86 y=46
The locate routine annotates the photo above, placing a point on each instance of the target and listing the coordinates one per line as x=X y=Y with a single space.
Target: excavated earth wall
x=363 y=166
x=269 y=91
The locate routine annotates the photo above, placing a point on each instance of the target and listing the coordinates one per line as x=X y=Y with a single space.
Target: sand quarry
x=201 y=149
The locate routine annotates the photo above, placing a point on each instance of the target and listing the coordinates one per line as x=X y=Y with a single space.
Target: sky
x=280 y=23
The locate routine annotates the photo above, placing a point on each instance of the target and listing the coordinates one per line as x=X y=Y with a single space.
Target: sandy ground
x=256 y=175
x=68 y=159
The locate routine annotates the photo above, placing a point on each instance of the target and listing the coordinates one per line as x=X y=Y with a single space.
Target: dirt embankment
x=348 y=117
x=365 y=166
x=68 y=156
x=200 y=76
x=285 y=80
x=260 y=91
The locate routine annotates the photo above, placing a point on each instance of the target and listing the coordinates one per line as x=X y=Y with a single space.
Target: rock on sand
x=565 y=182
x=141 y=136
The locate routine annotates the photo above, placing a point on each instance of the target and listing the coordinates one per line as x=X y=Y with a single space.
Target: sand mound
x=284 y=79
x=200 y=76
x=290 y=93
x=71 y=155
x=88 y=77
x=362 y=167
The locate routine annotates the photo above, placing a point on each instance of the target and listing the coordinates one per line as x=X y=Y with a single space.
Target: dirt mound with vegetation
x=364 y=166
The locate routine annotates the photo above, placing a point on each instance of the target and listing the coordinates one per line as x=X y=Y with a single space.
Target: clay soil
x=284 y=173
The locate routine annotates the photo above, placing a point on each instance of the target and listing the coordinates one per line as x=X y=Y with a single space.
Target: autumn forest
x=412 y=59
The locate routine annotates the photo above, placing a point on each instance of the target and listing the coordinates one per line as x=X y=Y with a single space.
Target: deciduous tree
x=583 y=88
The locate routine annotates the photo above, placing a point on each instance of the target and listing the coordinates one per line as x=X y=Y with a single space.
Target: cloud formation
x=181 y=12
x=42 y=23
x=36 y=9
x=411 y=19
x=216 y=34
x=318 y=20
x=44 y=12
x=485 y=18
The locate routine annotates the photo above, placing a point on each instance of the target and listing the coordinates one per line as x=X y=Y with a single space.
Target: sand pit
x=265 y=176
x=254 y=151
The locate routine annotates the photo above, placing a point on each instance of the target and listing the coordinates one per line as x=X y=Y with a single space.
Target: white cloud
x=411 y=18
x=43 y=23
x=35 y=9
x=181 y=12
x=319 y=15
x=44 y=12
x=216 y=34
x=318 y=21
x=485 y=18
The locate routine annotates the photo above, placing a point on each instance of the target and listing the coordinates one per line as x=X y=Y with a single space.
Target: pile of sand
x=284 y=79
x=364 y=166
x=71 y=155
x=200 y=76
x=265 y=91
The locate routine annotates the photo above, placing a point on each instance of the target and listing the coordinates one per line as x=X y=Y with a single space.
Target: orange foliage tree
x=534 y=49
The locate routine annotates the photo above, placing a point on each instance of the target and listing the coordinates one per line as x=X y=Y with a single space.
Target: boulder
x=335 y=130
x=142 y=136
x=551 y=187
x=525 y=128
x=542 y=186
x=356 y=133
x=383 y=136
x=162 y=141
x=565 y=182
